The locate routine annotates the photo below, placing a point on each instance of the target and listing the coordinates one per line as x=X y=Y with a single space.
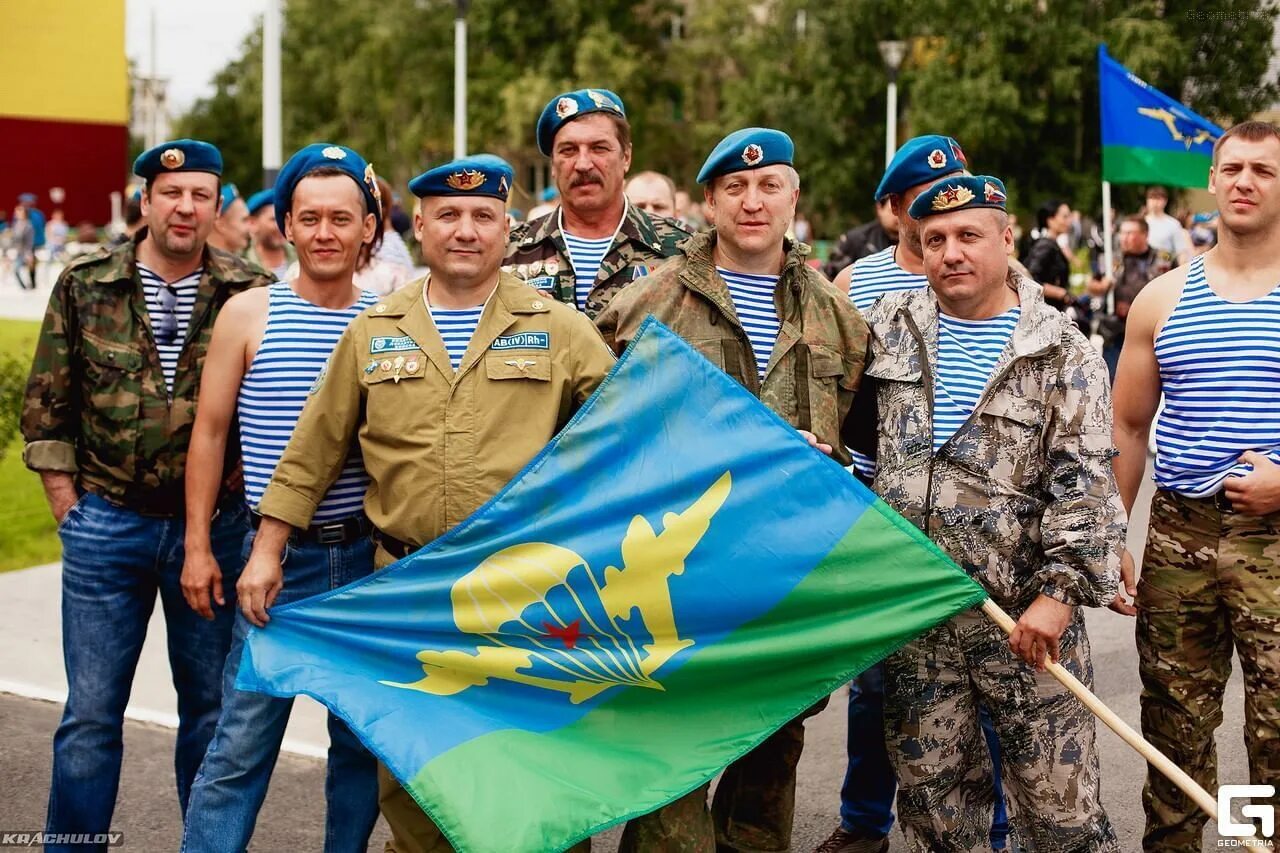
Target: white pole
x=1108 y=230
x=271 y=110
x=460 y=81
x=891 y=122
x=152 y=99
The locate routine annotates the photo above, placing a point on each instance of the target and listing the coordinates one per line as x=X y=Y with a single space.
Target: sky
x=194 y=39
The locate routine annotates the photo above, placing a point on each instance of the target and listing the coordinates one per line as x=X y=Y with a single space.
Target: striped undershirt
x=967 y=353
x=1220 y=372
x=586 y=256
x=295 y=347
x=456 y=326
x=753 y=300
x=873 y=277
x=185 y=288
x=878 y=274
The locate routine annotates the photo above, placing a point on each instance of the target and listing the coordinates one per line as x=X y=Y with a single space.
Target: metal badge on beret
x=172 y=158
x=958 y=154
x=502 y=184
x=952 y=197
x=371 y=181
x=333 y=152
x=467 y=179
x=992 y=192
x=602 y=101
x=566 y=107
x=937 y=159
x=752 y=154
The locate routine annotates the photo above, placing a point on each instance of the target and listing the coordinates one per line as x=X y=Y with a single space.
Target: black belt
x=393 y=546
x=162 y=502
x=1221 y=502
x=331 y=533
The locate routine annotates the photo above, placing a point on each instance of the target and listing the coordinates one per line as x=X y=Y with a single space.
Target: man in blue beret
x=269 y=347
x=994 y=439
x=743 y=294
x=270 y=249
x=594 y=242
x=107 y=422
x=467 y=344
x=231 y=228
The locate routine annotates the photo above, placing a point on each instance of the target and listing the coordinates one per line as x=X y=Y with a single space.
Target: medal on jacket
x=552 y=266
x=398 y=364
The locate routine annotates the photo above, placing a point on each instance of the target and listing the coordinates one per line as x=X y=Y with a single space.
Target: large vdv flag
x=1148 y=137
x=673 y=578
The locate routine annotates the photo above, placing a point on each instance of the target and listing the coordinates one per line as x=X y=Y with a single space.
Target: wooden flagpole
x=1154 y=756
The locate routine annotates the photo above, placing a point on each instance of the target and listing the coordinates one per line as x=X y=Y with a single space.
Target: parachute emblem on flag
x=1170 y=121
x=544 y=619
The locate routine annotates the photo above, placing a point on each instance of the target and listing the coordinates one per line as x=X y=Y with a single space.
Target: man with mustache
x=1204 y=336
x=107 y=421
x=744 y=296
x=596 y=242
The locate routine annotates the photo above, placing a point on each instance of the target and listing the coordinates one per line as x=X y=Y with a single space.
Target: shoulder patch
x=391 y=344
x=522 y=340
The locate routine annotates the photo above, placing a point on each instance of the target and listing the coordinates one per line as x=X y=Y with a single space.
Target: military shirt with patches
x=97 y=405
x=1022 y=495
x=537 y=254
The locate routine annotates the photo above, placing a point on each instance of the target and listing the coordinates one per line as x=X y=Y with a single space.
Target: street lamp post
x=892 y=52
x=272 y=155
x=460 y=81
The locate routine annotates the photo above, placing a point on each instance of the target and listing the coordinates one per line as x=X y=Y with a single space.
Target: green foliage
x=28 y=536
x=13 y=383
x=1014 y=81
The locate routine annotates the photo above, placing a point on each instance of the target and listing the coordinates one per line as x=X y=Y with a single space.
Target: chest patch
x=523 y=340
x=385 y=344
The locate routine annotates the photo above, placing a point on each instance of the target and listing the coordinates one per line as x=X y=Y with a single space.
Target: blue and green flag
x=1148 y=137
x=673 y=578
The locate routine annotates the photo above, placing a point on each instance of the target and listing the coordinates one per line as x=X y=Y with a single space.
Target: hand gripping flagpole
x=1155 y=757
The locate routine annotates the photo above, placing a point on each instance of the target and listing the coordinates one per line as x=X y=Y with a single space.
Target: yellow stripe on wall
x=66 y=60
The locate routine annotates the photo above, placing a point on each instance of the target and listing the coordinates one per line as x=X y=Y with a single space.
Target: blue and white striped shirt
x=295 y=347
x=585 y=255
x=753 y=300
x=185 y=289
x=878 y=274
x=1220 y=372
x=967 y=353
x=456 y=326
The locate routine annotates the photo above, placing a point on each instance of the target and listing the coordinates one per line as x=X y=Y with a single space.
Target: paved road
x=147 y=811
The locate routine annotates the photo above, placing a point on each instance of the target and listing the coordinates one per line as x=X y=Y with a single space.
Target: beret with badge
x=571 y=105
x=178 y=155
x=749 y=148
x=961 y=192
x=320 y=155
x=921 y=160
x=478 y=175
x=259 y=200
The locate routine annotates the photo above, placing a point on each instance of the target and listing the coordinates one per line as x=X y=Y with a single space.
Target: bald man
x=654 y=193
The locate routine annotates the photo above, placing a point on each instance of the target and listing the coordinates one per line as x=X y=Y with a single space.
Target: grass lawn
x=28 y=536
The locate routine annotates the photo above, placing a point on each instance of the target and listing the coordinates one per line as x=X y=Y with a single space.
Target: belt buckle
x=331 y=534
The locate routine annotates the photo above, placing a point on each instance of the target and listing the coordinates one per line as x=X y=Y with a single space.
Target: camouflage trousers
x=1210 y=581
x=752 y=810
x=933 y=687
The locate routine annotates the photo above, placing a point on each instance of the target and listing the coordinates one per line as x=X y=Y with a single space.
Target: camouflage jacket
x=819 y=355
x=96 y=404
x=537 y=254
x=1023 y=495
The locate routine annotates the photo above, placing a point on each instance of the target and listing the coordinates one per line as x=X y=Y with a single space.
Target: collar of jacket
x=516 y=296
x=700 y=264
x=636 y=227
x=1038 y=331
x=219 y=266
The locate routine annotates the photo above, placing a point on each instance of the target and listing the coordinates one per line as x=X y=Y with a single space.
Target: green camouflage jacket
x=818 y=358
x=1023 y=495
x=537 y=254
x=96 y=403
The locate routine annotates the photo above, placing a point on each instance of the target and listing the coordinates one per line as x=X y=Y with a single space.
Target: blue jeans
x=114 y=561
x=866 y=798
x=233 y=779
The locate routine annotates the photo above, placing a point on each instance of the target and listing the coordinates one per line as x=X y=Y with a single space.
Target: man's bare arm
x=59 y=491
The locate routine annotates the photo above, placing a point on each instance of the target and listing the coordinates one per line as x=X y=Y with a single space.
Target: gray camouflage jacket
x=1023 y=495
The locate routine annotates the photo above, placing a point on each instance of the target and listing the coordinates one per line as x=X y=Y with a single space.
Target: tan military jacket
x=438 y=444
x=1023 y=495
x=818 y=358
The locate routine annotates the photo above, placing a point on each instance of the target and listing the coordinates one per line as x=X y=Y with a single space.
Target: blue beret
x=550 y=194
x=260 y=199
x=319 y=155
x=180 y=155
x=962 y=192
x=921 y=160
x=229 y=194
x=571 y=105
x=479 y=175
x=749 y=148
